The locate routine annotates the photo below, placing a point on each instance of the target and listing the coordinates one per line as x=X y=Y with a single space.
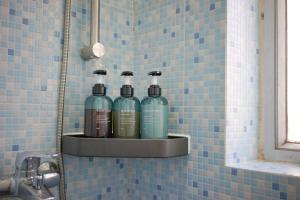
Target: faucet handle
x=50 y=173
x=51 y=179
x=21 y=156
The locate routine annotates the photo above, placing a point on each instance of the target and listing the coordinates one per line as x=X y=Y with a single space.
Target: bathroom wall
x=189 y=36
x=96 y=178
x=212 y=44
x=116 y=35
x=31 y=38
x=159 y=45
x=30 y=54
x=185 y=39
x=242 y=81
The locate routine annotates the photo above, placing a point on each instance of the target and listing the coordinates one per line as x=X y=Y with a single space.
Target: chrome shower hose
x=61 y=97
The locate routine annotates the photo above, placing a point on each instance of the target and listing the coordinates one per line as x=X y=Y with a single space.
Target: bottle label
x=98 y=123
x=150 y=116
x=126 y=124
x=154 y=122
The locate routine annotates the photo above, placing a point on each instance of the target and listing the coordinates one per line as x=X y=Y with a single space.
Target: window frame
x=276 y=145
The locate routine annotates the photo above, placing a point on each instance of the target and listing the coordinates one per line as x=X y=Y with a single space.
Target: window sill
x=290 y=146
x=278 y=168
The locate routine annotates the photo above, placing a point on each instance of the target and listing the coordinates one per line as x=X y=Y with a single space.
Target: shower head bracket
x=95 y=49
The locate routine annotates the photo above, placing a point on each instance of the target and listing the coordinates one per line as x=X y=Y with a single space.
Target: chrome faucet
x=36 y=173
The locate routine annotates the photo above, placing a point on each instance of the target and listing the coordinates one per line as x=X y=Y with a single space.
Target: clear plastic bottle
x=154 y=112
x=98 y=111
x=126 y=111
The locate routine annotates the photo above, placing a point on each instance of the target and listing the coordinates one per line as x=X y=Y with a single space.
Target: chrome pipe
x=95 y=14
x=95 y=48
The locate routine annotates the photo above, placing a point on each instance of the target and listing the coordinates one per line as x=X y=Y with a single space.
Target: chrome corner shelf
x=79 y=145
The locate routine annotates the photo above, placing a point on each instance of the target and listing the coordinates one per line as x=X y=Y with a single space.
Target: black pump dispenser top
x=127 y=90
x=154 y=90
x=155 y=73
x=99 y=89
x=127 y=73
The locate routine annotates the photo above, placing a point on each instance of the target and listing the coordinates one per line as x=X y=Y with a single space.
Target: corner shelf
x=79 y=145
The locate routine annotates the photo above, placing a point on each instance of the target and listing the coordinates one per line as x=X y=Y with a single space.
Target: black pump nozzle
x=155 y=73
x=127 y=90
x=127 y=73
x=100 y=72
x=99 y=88
x=154 y=90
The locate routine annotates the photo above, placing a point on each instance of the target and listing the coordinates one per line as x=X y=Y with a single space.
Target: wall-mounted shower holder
x=79 y=145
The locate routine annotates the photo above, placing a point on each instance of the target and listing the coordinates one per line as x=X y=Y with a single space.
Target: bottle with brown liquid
x=98 y=110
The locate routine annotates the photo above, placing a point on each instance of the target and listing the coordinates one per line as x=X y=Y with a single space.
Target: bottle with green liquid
x=126 y=111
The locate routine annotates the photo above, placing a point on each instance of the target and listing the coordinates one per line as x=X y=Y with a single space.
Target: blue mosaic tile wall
x=159 y=45
x=30 y=54
x=91 y=178
x=192 y=41
x=116 y=35
x=185 y=39
x=242 y=81
x=96 y=178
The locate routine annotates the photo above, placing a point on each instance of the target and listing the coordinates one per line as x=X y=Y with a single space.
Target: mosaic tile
x=187 y=41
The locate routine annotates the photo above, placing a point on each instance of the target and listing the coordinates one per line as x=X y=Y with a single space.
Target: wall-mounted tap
x=36 y=173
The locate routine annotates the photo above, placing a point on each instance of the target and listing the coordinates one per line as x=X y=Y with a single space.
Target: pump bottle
x=126 y=111
x=154 y=112
x=98 y=110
